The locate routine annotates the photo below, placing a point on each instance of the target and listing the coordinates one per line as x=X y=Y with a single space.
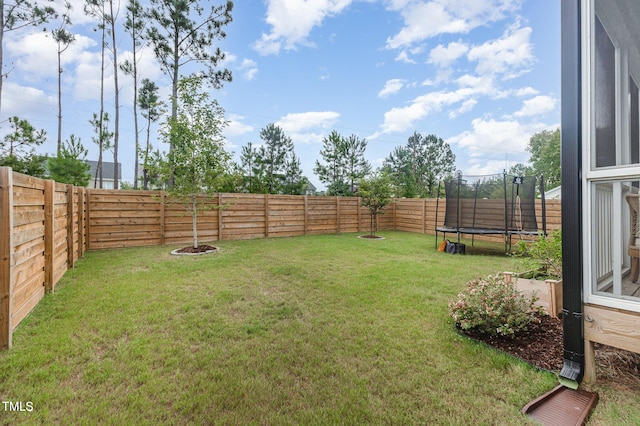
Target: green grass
x=309 y=330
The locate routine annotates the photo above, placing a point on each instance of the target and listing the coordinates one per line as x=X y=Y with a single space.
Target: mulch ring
x=195 y=251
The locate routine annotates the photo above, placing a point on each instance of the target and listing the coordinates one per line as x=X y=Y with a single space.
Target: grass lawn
x=308 y=330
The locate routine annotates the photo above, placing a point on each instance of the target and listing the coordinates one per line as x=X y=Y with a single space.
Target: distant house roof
x=553 y=194
x=107 y=169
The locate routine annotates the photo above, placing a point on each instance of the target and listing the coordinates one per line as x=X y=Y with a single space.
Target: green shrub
x=545 y=254
x=493 y=306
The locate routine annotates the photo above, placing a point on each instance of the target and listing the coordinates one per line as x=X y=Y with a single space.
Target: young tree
x=134 y=25
x=63 y=39
x=375 y=193
x=181 y=33
x=69 y=166
x=17 y=149
x=272 y=156
x=152 y=108
x=294 y=182
x=198 y=163
x=103 y=140
x=18 y=14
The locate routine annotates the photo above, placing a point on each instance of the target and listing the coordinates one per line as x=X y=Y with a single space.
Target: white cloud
x=526 y=91
x=291 y=22
x=444 y=56
x=21 y=101
x=536 y=106
x=296 y=122
x=423 y=20
x=391 y=87
x=509 y=55
x=235 y=126
x=249 y=69
x=491 y=137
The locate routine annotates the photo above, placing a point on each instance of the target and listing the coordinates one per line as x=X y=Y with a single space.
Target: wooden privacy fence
x=42 y=233
x=46 y=226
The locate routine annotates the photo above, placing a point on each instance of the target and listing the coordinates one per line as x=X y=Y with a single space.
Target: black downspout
x=571 y=153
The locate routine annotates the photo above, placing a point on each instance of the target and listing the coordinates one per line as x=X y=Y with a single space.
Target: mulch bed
x=542 y=346
x=197 y=250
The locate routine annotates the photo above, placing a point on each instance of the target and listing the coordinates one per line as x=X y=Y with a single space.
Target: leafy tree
x=198 y=162
x=134 y=25
x=181 y=33
x=152 y=108
x=102 y=138
x=420 y=164
x=63 y=39
x=69 y=166
x=18 y=14
x=375 y=193
x=17 y=149
x=272 y=157
x=545 y=156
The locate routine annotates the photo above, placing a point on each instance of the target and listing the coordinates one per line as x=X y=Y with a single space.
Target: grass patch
x=326 y=329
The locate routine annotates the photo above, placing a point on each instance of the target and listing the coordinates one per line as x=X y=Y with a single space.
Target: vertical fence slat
x=6 y=249
x=49 y=197
x=220 y=216
x=162 y=217
x=306 y=207
x=87 y=218
x=337 y=214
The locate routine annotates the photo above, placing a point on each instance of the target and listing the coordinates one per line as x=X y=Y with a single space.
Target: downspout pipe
x=572 y=174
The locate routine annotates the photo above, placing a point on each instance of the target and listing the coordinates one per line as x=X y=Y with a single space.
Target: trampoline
x=492 y=205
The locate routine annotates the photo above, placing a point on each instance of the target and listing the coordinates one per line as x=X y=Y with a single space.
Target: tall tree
x=251 y=170
x=331 y=171
x=63 y=39
x=545 y=156
x=69 y=165
x=18 y=14
x=198 y=163
x=96 y=9
x=356 y=166
x=152 y=108
x=134 y=25
x=272 y=155
x=419 y=165
x=111 y=21
x=182 y=32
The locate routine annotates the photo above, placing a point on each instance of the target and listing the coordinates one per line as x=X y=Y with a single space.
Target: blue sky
x=484 y=75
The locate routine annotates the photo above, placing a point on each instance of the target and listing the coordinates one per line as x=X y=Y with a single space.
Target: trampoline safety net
x=494 y=204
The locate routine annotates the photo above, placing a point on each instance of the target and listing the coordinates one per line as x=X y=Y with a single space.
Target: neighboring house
x=107 y=175
x=311 y=189
x=553 y=194
x=600 y=179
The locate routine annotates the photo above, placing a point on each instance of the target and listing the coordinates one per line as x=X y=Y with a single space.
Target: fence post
x=81 y=224
x=6 y=249
x=266 y=215
x=424 y=215
x=219 y=216
x=87 y=219
x=162 y=217
x=70 y=233
x=49 y=192
x=337 y=214
x=305 y=214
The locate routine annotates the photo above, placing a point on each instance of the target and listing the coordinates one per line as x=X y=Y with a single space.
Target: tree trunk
x=116 y=124
x=194 y=215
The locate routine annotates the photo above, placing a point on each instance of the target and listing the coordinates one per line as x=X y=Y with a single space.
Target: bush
x=545 y=254
x=493 y=306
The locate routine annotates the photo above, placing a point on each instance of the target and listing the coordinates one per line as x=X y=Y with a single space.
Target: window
x=605 y=98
